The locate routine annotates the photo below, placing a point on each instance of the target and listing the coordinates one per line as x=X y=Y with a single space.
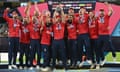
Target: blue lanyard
x=90 y=22
x=15 y=23
x=81 y=19
x=102 y=19
x=59 y=26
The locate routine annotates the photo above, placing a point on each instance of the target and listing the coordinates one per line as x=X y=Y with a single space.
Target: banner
x=42 y=7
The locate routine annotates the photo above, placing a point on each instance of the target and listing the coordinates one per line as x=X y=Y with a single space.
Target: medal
x=90 y=22
x=81 y=19
x=25 y=30
x=102 y=20
x=15 y=23
x=71 y=26
x=58 y=27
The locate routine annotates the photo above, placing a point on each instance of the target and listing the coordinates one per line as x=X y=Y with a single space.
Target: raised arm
x=27 y=9
x=36 y=8
x=5 y=14
x=62 y=13
x=55 y=14
x=63 y=16
x=109 y=8
x=42 y=24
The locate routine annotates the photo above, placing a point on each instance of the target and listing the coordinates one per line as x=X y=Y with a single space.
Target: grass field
x=110 y=59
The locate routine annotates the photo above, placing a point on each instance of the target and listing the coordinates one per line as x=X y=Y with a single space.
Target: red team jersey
x=76 y=14
x=93 y=29
x=24 y=34
x=46 y=35
x=72 y=28
x=58 y=31
x=13 y=25
x=103 y=25
x=34 y=29
x=82 y=26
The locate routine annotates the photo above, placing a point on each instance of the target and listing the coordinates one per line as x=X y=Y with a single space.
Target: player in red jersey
x=68 y=53
x=72 y=36
x=103 y=31
x=93 y=32
x=46 y=40
x=24 y=42
x=58 y=45
x=34 y=28
x=83 y=36
x=13 y=34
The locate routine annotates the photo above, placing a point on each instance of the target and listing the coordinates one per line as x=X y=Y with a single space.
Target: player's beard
x=69 y=21
x=59 y=20
x=102 y=15
x=25 y=22
x=14 y=17
x=48 y=24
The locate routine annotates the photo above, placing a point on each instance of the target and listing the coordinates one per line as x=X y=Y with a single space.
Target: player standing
x=72 y=36
x=24 y=42
x=13 y=34
x=58 y=45
x=93 y=32
x=34 y=28
x=46 y=40
x=83 y=35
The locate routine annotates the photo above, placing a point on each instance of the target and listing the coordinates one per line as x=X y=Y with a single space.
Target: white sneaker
x=9 y=67
x=92 y=66
x=45 y=69
x=54 y=69
x=20 y=67
x=78 y=62
x=89 y=61
x=97 y=66
x=31 y=68
x=37 y=67
x=60 y=62
x=25 y=67
x=14 y=66
x=81 y=64
x=68 y=62
x=103 y=62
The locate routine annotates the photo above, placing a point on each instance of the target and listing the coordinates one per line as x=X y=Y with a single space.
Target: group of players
x=62 y=37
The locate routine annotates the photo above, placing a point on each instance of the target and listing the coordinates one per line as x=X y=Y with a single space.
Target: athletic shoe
x=45 y=69
x=89 y=61
x=68 y=62
x=92 y=66
x=97 y=66
x=78 y=62
x=103 y=62
x=14 y=66
x=31 y=68
x=20 y=67
x=60 y=62
x=9 y=67
x=37 y=67
x=25 y=67
x=81 y=64
x=73 y=65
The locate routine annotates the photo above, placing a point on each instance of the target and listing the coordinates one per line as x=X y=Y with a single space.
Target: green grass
x=110 y=59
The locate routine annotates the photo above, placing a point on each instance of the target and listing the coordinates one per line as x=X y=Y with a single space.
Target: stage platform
x=109 y=69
